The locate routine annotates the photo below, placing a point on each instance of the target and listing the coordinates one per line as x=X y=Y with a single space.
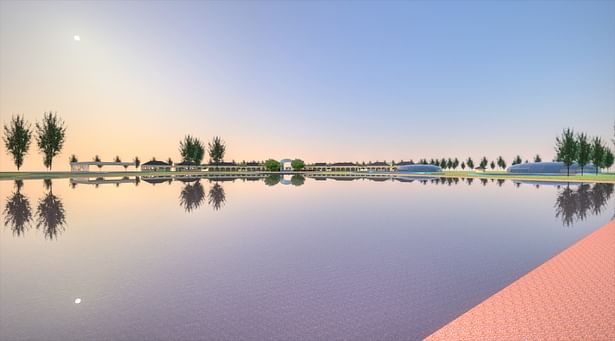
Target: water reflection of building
x=102 y=181
x=157 y=179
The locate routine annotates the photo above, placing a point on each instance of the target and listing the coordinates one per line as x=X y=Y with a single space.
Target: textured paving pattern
x=569 y=297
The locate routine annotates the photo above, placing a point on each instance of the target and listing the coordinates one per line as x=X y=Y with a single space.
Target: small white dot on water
x=77 y=300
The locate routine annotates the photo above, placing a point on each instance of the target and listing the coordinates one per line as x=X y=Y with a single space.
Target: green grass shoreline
x=602 y=177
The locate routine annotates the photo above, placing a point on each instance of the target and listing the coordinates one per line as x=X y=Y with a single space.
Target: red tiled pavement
x=569 y=297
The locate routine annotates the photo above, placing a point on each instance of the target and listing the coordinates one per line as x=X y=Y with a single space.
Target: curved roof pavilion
x=549 y=168
x=419 y=168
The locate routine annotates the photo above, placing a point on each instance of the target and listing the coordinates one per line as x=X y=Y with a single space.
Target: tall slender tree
x=17 y=138
x=608 y=159
x=584 y=149
x=137 y=161
x=217 y=149
x=50 y=137
x=597 y=153
x=537 y=158
x=566 y=148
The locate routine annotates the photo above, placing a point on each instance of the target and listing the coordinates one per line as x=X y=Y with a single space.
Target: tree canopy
x=217 y=148
x=17 y=138
x=191 y=149
x=50 y=137
x=272 y=165
x=566 y=148
x=297 y=164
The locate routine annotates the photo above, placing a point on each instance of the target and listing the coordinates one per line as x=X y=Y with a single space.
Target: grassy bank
x=603 y=177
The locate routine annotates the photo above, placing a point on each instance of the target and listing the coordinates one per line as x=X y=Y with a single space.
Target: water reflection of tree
x=50 y=213
x=272 y=179
x=572 y=206
x=192 y=196
x=17 y=212
x=217 y=197
x=297 y=180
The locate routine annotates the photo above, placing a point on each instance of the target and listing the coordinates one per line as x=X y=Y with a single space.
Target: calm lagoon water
x=264 y=259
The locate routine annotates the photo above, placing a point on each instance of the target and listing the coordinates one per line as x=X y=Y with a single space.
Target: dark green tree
x=455 y=163
x=170 y=161
x=483 y=163
x=443 y=163
x=608 y=159
x=537 y=158
x=517 y=160
x=17 y=138
x=566 y=148
x=500 y=162
x=470 y=163
x=463 y=165
x=192 y=149
x=597 y=153
x=297 y=164
x=97 y=159
x=217 y=148
x=584 y=149
x=137 y=162
x=492 y=165
x=73 y=158
x=50 y=137
x=449 y=163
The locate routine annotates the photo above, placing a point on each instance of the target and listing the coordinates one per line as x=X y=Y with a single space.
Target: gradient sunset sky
x=322 y=81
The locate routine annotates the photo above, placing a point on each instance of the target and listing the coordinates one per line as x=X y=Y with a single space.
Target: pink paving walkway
x=569 y=297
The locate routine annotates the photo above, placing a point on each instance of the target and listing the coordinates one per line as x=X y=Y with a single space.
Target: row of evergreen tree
x=580 y=149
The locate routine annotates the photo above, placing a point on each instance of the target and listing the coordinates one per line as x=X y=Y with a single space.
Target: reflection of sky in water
x=279 y=258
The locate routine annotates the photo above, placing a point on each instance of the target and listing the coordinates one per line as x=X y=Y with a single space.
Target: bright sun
x=77 y=38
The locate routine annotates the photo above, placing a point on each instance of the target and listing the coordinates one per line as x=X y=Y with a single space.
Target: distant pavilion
x=155 y=166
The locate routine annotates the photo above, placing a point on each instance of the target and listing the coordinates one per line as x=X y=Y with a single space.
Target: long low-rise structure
x=350 y=167
x=84 y=166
